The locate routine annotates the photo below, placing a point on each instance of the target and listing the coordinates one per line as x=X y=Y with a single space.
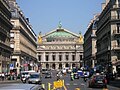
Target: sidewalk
x=115 y=83
x=10 y=81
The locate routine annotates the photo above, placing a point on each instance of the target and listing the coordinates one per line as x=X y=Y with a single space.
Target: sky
x=75 y=15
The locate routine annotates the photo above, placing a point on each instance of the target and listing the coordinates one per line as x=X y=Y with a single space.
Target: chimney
x=27 y=19
x=103 y=5
x=107 y=1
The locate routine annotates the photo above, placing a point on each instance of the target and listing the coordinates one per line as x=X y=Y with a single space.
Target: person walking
x=72 y=76
x=3 y=76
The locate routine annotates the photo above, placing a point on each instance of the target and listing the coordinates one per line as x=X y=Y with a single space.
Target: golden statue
x=39 y=38
x=80 y=39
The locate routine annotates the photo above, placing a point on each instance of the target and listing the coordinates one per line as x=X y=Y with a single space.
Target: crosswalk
x=66 y=84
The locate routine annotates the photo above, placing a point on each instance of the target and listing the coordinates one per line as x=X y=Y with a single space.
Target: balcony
x=116 y=6
x=116 y=47
x=116 y=32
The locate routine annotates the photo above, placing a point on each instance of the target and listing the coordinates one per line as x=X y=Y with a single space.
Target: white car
x=35 y=78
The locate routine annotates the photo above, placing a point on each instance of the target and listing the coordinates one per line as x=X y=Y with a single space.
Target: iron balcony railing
x=116 y=31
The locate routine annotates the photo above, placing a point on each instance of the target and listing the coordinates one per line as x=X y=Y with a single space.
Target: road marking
x=75 y=84
x=77 y=88
x=71 y=84
x=82 y=84
x=67 y=84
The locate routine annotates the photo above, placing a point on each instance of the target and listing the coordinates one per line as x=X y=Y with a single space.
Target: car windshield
x=99 y=77
x=34 y=76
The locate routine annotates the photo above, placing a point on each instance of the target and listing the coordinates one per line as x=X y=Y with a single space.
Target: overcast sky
x=74 y=15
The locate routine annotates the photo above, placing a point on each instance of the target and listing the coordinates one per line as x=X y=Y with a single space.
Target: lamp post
x=75 y=52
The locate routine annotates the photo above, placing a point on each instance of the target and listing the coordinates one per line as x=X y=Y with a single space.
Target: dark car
x=48 y=75
x=76 y=76
x=97 y=81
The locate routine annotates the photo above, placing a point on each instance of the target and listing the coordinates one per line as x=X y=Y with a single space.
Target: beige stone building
x=60 y=49
x=108 y=36
x=23 y=41
x=5 y=27
x=90 y=43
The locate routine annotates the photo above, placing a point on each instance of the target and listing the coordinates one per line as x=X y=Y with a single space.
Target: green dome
x=60 y=33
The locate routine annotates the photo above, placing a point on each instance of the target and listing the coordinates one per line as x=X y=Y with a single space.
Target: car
x=44 y=70
x=35 y=78
x=97 y=81
x=48 y=75
x=76 y=76
x=24 y=75
x=21 y=86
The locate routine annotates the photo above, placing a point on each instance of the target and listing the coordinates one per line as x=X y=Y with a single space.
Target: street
x=76 y=84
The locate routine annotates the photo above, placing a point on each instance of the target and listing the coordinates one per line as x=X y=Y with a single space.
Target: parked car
x=48 y=75
x=35 y=78
x=97 y=81
x=25 y=75
x=21 y=86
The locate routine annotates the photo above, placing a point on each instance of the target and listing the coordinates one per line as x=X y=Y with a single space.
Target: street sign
x=58 y=84
x=11 y=66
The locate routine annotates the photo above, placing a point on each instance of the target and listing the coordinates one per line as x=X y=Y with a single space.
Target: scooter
x=23 y=79
x=85 y=79
x=58 y=77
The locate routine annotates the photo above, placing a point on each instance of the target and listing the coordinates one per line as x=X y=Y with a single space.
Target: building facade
x=23 y=41
x=60 y=49
x=5 y=27
x=108 y=36
x=90 y=43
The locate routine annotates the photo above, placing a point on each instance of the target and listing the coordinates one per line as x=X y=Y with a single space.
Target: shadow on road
x=115 y=83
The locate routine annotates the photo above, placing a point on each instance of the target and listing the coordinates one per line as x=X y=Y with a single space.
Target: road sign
x=11 y=66
x=58 y=84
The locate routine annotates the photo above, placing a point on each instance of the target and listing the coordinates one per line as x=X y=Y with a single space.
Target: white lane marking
x=67 y=84
x=72 y=84
x=75 y=84
x=82 y=84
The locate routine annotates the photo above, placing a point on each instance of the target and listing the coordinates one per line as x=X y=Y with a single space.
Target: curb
x=10 y=81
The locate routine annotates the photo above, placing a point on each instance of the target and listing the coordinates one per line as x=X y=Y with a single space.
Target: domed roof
x=60 y=33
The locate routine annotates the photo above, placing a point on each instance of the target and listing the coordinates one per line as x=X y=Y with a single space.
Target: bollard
x=49 y=86
x=43 y=86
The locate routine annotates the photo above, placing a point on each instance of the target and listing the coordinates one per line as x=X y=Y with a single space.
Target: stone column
x=19 y=67
x=50 y=57
x=57 y=57
x=57 y=65
x=63 y=57
x=70 y=57
x=43 y=57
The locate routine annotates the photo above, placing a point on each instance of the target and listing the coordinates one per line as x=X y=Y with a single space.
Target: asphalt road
x=70 y=85
x=77 y=83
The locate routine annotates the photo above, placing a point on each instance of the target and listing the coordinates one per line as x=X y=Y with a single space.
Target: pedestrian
x=3 y=76
x=58 y=76
x=72 y=76
x=107 y=77
x=0 y=76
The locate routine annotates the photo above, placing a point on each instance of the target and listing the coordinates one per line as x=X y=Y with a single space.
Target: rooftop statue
x=40 y=38
x=60 y=25
x=80 y=38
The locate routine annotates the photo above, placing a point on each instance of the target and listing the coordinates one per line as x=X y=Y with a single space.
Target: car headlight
x=36 y=80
